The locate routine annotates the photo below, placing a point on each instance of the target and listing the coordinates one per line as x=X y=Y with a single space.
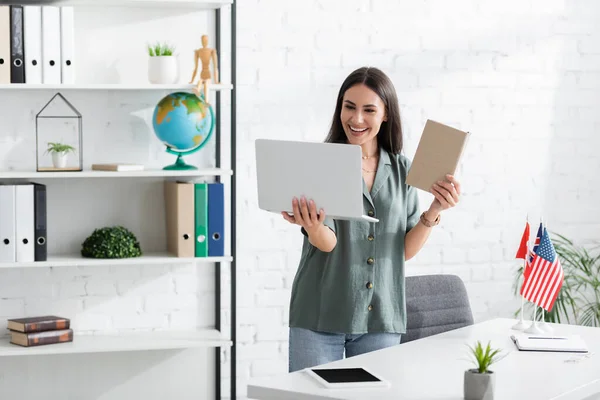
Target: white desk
x=433 y=368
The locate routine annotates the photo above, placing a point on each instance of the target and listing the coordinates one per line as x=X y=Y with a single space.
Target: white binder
x=51 y=44
x=24 y=212
x=67 y=44
x=32 y=31
x=7 y=223
x=4 y=44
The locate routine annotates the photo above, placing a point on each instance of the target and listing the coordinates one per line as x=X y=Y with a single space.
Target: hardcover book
x=439 y=152
x=117 y=167
x=41 y=338
x=38 y=324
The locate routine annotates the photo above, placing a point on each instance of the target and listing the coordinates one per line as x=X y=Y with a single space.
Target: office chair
x=435 y=304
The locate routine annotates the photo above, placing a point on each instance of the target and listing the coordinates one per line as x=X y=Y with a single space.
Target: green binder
x=201 y=218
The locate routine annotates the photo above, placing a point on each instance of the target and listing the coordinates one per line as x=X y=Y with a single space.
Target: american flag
x=546 y=277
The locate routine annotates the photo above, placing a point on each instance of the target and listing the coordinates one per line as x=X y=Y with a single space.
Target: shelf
x=113 y=174
x=75 y=260
x=118 y=342
x=192 y=4
x=109 y=86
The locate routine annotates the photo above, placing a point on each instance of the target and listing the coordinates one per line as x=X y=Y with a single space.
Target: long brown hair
x=389 y=136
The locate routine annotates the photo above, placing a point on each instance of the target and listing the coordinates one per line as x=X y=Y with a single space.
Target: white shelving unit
x=134 y=341
x=146 y=340
x=75 y=260
x=153 y=173
x=191 y=4
x=109 y=86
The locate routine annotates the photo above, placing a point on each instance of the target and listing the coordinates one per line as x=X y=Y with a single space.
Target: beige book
x=438 y=153
x=117 y=167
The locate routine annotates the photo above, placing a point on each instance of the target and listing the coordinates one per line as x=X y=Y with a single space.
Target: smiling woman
x=348 y=294
x=367 y=104
x=361 y=117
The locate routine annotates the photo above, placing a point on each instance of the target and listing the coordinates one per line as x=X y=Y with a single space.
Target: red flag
x=522 y=252
x=545 y=280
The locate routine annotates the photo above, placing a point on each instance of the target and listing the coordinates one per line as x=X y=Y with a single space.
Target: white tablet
x=344 y=378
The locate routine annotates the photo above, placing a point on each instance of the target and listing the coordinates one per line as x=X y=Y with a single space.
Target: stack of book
x=37 y=331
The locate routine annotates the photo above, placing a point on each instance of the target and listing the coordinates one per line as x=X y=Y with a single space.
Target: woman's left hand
x=446 y=194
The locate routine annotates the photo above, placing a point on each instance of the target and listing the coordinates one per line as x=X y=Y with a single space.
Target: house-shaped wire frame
x=57 y=121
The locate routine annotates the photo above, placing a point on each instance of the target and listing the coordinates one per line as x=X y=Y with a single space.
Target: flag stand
x=544 y=325
x=534 y=328
x=548 y=277
x=519 y=326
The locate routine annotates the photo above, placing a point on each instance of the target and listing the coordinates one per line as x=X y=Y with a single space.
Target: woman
x=348 y=293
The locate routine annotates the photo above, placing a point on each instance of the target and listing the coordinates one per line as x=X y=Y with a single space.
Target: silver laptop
x=328 y=173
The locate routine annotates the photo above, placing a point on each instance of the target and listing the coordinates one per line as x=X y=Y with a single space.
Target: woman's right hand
x=305 y=214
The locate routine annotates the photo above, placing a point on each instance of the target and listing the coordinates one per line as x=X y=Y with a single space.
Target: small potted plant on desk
x=59 y=153
x=479 y=382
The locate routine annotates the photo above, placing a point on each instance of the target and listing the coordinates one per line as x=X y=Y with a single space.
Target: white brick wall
x=521 y=75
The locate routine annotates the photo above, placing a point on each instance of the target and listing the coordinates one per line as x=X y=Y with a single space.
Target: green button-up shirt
x=359 y=286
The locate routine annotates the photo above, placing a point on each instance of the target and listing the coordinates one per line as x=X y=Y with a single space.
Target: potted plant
x=162 y=64
x=59 y=152
x=479 y=382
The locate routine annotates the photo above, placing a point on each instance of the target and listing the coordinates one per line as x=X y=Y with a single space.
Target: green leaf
x=54 y=147
x=111 y=242
x=159 y=49
x=484 y=358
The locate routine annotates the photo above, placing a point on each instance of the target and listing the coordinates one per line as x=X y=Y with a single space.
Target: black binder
x=40 y=229
x=17 y=65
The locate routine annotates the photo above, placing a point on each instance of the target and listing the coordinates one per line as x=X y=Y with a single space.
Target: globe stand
x=193 y=104
x=180 y=165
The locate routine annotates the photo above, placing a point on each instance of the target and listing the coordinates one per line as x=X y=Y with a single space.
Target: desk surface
x=433 y=368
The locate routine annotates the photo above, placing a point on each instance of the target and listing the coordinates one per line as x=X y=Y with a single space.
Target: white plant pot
x=59 y=160
x=479 y=386
x=163 y=69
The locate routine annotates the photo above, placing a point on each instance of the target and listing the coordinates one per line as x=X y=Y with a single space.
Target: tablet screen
x=345 y=375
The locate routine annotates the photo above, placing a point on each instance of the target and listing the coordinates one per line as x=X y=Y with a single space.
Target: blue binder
x=216 y=219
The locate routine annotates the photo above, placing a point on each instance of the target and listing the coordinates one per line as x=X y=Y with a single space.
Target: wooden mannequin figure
x=205 y=55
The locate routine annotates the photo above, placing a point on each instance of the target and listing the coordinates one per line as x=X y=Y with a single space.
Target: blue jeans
x=309 y=348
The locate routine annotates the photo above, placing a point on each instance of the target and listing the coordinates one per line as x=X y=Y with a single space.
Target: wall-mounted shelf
x=193 y=4
x=110 y=86
x=134 y=341
x=151 y=173
x=76 y=260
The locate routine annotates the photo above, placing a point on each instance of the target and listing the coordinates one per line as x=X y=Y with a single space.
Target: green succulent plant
x=484 y=357
x=54 y=147
x=159 y=49
x=111 y=242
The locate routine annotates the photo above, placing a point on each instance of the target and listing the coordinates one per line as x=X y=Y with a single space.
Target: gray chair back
x=435 y=304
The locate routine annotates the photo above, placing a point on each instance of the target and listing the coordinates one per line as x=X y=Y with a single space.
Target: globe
x=183 y=122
